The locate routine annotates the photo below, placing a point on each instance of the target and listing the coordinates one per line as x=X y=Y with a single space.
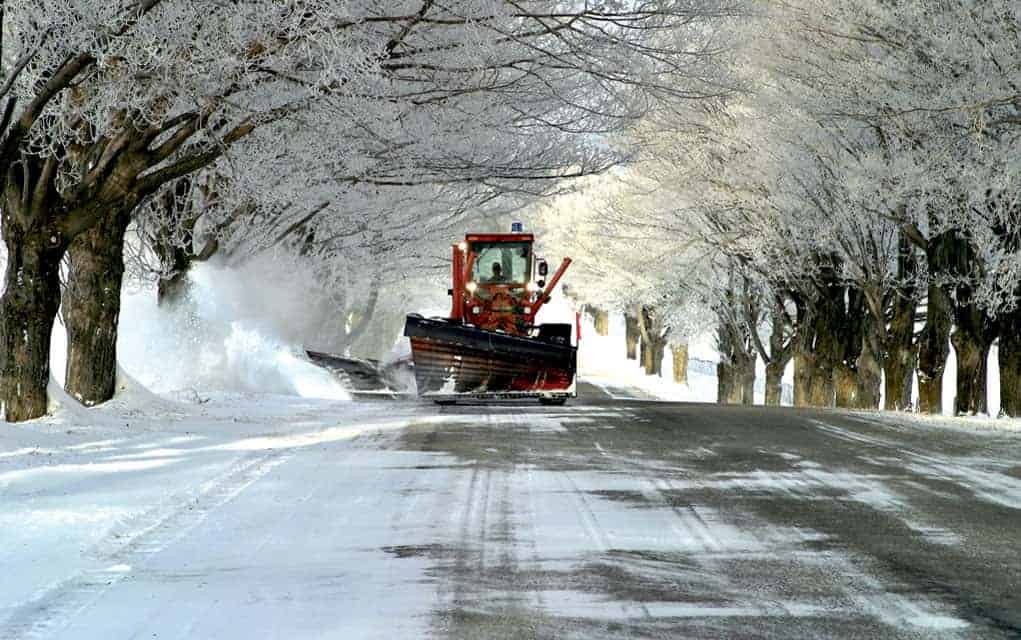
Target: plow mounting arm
x=544 y=295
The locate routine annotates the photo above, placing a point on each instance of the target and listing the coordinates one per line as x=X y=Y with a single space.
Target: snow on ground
x=602 y=360
x=967 y=423
x=85 y=492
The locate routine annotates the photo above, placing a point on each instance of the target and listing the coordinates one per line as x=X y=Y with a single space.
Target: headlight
x=475 y=310
x=471 y=287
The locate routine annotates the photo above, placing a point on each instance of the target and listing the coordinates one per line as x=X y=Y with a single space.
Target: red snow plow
x=490 y=346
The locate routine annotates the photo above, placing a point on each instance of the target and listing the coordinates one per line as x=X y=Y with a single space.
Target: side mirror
x=543 y=268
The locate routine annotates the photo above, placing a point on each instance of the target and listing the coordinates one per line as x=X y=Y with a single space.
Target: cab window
x=502 y=262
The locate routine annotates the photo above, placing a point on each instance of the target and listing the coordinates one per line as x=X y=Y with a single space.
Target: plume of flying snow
x=240 y=331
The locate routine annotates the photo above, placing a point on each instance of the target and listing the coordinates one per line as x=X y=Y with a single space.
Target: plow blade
x=454 y=361
x=361 y=377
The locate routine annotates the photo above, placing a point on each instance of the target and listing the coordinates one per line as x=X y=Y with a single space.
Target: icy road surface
x=605 y=519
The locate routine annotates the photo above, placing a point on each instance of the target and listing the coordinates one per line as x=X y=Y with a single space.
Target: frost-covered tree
x=107 y=102
x=922 y=138
x=867 y=168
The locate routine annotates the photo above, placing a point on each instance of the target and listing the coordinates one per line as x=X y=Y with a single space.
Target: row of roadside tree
x=852 y=210
x=350 y=134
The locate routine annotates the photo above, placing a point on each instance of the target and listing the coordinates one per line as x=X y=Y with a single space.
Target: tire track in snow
x=997 y=488
x=597 y=534
x=687 y=523
x=129 y=544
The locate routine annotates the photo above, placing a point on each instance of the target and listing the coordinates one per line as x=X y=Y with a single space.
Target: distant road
x=606 y=518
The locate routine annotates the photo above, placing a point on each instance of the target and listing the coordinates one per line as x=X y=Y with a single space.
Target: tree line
x=338 y=131
x=852 y=209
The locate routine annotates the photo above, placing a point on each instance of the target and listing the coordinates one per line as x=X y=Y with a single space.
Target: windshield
x=502 y=262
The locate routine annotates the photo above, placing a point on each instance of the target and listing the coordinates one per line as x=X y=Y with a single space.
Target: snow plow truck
x=490 y=346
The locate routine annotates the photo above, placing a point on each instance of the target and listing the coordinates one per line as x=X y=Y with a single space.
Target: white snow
x=91 y=496
x=602 y=361
x=233 y=336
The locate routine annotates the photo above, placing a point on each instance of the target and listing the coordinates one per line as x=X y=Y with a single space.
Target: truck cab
x=501 y=287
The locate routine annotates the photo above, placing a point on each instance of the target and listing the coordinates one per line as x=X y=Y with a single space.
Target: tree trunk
x=975 y=329
x=736 y=380
x=173 y=238
x=746 y=376
x=823 y=392
x=899 y=357
x=845 y=386
x=92 y=303
x=804 y=359
x=853 y=387
x=648 y=357
x=933 y=350
x=726 y=375
x=774 y=383
x=781 y=349
x=804 y=369
x=827 y=348
x=972 y=371
x=653 y=340
x=898 y=353
x=1010 y=376
x=725 y=382
x=680 y=354
x=736 y=369
x=601 y=320
x=898 y=382
x=631 y=335
x=870 y=376
x=1010 y=364
x=653 y=352
x=28 y=309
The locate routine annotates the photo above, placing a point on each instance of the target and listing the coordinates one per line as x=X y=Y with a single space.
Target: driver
x=497 y=275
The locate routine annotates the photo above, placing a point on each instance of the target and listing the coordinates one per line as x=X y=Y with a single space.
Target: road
x=607 y=518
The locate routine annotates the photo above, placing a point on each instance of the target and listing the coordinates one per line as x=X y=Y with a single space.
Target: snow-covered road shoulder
x=84 y=491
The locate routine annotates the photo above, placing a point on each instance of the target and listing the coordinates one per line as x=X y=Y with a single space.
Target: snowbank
x=602 y=360
x=82 y=484
x=967 y=423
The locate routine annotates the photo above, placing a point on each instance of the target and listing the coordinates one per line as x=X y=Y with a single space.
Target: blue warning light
x=517 y=227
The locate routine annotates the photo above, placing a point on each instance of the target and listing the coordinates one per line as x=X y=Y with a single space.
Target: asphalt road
x=614 y=519
x=603 y=519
